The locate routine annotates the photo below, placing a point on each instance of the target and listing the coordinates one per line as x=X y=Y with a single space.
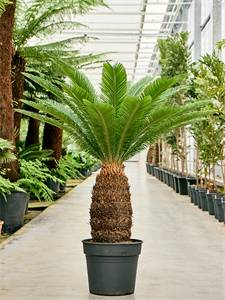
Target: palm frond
x=114 y=84
x=128 y=120
x=137 y=89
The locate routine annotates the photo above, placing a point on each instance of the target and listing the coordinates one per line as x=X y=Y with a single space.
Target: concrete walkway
x=183 y=254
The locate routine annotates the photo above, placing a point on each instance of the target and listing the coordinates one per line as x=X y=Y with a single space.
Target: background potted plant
x=13 y=199
x=112 y=127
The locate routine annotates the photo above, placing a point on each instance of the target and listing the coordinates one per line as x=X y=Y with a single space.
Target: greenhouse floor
x=183 y=254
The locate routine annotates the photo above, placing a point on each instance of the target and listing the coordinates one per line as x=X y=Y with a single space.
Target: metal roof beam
x=150 y=3
x=120 y=13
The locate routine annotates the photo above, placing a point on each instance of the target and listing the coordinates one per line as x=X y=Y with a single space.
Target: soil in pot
x=12 y=212
x=112 y=267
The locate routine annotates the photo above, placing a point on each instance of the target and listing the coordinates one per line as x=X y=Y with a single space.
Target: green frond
x=137 y=89
x=3 y=4
x=77 y=78
x=5 y=144
x=102 y=120
x=114 y=84
x=160 y=86
x=6 y=157
x=128 y=121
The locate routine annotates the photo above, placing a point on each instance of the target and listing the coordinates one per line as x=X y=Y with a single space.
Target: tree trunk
x=18 y=66
x=111 y=211
x=197 y=164
x=6 y=109
x=52 y=140
x=222 y=160
x=33 y=129
x=149 y=154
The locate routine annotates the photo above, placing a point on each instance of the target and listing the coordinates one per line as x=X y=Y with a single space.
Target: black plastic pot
x=210 y=202
x=52 y=185
x=171 y=180
x=160 y=174
x=182 y=185
x=12 y=212
x=153 y=169
x=218 y=208
x=223 y=207
x=112 y=267
x=175 y=180
x=203 y=200
x=164 y=175
x=62 y=187
x=156 y=169
x=192 y=195
x=190 y=181
x=198 y=200
x=148 y=167
x=86 y=173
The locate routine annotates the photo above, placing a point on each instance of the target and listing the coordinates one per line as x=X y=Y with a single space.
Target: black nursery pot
x=210 y=202
x=52 y=185
x=202 y=198
x=218 y=208
x=112 y=267
x=12 y=212
x=182 y=184
x=175 y=182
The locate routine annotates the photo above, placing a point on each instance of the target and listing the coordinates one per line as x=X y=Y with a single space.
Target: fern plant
x=67 y=168
x=6 y=156
x=34 y=175
x=31 y=152
x=3 y=4
x=113 y=126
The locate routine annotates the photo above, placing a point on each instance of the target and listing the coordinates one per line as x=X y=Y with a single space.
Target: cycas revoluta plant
x=113 y=127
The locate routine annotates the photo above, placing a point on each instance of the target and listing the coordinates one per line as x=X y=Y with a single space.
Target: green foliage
x=67 y=168
x=116 y=127
x=41 y=20
x=3 y=4
x=31 y=152
x=34 y=175
x=6 y=156
x=86 y=161
x=6 y=186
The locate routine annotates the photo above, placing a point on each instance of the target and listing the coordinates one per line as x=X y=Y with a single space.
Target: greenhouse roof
x=130 y=29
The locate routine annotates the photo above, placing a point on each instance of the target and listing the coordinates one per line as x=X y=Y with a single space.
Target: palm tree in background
x=113 y=126
x=37 y=21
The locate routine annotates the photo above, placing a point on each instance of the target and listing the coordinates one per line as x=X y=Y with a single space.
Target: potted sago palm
x=113 y=126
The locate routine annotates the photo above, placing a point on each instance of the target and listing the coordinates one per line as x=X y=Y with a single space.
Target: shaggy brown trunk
x=33 y=128
x=149 y=154
x=6 y=109
x=18 y=66
x=111 y=211
x=52 y=140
